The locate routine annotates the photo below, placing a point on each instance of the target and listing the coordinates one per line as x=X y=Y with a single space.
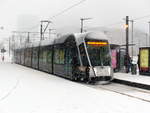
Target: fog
x=25 y=15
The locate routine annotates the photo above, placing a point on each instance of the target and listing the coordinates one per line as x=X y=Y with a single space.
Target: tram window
x=44 y=56
x=30 y=52
x=75 y=59
x=49 y=56
x=59 y=56
x=41 y=56
x=83 y=55
x=35 y=54
x=62 y=56
x=56 y=56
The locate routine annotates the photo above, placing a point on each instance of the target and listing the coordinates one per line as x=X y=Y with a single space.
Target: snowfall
x=24 y=90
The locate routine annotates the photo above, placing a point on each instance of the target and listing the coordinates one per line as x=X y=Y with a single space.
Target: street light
x=126 y=26
x=82 y=19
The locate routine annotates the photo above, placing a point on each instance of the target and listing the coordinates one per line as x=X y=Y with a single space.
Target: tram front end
x=95 y=56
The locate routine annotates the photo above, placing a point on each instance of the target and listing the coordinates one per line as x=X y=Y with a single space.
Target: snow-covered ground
x=24 y=90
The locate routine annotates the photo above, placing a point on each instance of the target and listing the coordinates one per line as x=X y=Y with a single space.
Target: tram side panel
x=41 y=58
x=22 y=56
x=50 y=59
x=28 y=57
x=17 y=56
x=45 y=57
x=64 y=54
x=59 y=60
x=71 y=59
x=35 y=59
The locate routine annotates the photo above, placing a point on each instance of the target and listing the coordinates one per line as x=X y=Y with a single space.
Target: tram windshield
x=99 y=52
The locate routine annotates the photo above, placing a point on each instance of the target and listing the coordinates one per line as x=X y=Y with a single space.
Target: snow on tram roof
x=80 y=37
x=44 y=42
x=29 y=45
x=61 y=39
x=47 y=42
x=97 y=35
x=35 y=44
x=92 y=35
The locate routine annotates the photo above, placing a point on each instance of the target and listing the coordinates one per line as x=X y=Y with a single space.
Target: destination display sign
x=97 y=43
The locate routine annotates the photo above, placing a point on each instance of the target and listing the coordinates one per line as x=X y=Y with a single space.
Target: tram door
x=68 y=61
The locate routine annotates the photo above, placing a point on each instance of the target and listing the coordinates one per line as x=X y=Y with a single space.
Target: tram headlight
x=109 y=70
x=95 y=69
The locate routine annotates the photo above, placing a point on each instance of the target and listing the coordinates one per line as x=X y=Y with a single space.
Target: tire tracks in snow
x=11 y=90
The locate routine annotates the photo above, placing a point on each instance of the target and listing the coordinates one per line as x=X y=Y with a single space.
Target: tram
x=80 y=56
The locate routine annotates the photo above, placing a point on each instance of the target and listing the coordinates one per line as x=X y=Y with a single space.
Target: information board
x=144 y=58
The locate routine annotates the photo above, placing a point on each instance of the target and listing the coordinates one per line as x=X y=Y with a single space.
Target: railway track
x=140 y=94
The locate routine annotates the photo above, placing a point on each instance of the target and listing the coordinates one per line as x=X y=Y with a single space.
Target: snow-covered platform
x=140 y=81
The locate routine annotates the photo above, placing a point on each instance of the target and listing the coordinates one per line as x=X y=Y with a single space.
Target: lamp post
x=82 y=19
x=127 y=44
x=132 y=36
x=127 y=32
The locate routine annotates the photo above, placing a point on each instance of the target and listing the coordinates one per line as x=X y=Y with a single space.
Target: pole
x=82 y=19
x=81 y=25
x=41 y=30
x=9 y=46
x=49 y=33
x=28 y=37
x=132 y=37
x=127 y=44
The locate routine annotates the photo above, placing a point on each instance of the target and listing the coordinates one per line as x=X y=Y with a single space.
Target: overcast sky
x=25 y=14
